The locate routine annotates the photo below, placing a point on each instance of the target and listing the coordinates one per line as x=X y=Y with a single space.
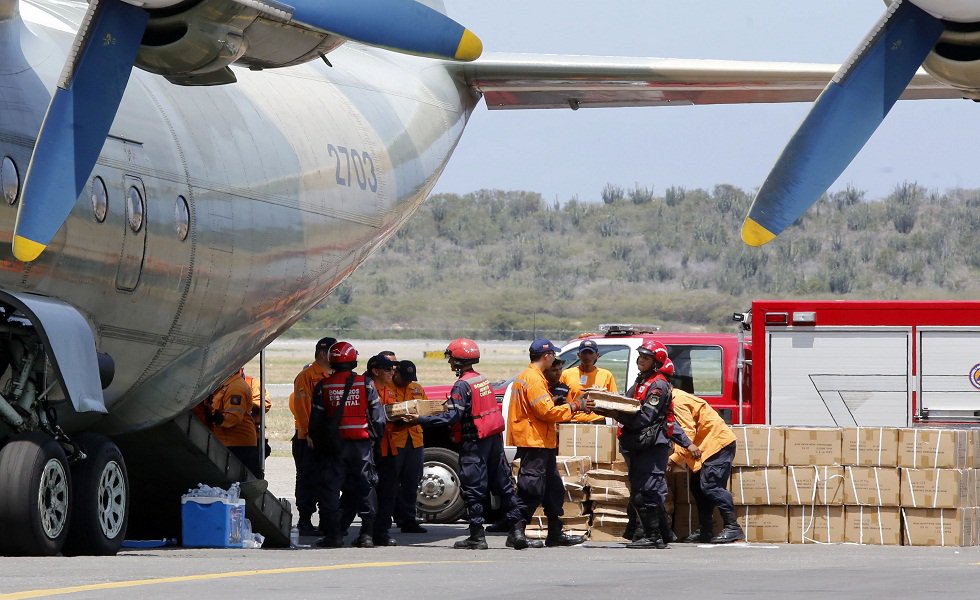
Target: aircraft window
x=135 y=209
x=100 y=199
x=182 y=214
x=9 y=180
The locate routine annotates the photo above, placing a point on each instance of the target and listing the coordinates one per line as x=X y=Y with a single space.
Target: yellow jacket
x=234 y=401
x=577 y=382
x=396 y=434
x=532 y=414
x=703 y=425
x=303 y=387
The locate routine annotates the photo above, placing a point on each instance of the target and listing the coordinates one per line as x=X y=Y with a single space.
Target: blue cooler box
x=212 y=522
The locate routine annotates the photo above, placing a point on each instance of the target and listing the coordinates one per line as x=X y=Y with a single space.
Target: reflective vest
x=354 y=422
x=666 y=419
x=484 y=415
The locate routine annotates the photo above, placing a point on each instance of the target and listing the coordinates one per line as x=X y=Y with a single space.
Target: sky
x=564 y=154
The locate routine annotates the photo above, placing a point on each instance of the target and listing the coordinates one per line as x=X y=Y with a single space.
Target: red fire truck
x=830 y=363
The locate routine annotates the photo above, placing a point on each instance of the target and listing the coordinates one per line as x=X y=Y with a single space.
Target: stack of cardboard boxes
x=573 y=470
x=871 y=485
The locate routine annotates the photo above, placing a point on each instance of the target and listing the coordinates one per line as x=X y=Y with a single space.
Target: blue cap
x=543 y=346
x=588 y=345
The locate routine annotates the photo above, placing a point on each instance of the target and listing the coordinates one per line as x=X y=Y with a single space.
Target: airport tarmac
x=426 y=566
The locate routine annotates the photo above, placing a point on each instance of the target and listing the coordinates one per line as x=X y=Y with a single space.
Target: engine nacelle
x=194 y=42
x=956 y=58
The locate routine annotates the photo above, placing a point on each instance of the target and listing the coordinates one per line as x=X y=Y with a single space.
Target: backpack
x=324 y=428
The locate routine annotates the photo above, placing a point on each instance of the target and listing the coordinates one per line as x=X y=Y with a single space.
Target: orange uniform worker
x=407 y=444
x=256 y=410
x=232 y=425
x=587 y=375
x=532 y=417
x=310 y=488
x=709 y=481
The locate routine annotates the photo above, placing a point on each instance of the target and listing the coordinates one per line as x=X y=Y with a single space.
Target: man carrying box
x=476 y=424
x=710 y=471
x=532 y=419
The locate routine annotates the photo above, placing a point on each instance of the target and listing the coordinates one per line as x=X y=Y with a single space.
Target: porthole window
x=134 y=207
x=182 y=216
x=100 y=199
x=9 y=180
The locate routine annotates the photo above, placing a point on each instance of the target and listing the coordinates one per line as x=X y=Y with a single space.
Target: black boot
x=558 y=537
x=732 y=532
x=516 y=539
x=330 y=526
x=666 y=530
x=476 y=541
x=650 y=518
x=704 y=533
x=305 y=525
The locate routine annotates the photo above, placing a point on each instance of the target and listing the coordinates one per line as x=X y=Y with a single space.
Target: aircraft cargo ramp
x=165 y=461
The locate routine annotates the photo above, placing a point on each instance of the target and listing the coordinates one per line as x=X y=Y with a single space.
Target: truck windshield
x=697 y=369
x=616 y=359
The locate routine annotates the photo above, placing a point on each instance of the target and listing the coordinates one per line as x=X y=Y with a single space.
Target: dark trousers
x=648 y=486
x=483 y=467
x=539 y=483
x=709 y=486
x=310 y=489
x=398 y=485
x=249 y=455
x=353 y=472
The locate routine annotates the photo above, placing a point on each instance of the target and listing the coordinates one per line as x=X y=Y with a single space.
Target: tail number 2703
x=354 y=166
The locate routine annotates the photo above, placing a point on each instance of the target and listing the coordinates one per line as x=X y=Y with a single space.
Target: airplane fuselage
x=292 y=177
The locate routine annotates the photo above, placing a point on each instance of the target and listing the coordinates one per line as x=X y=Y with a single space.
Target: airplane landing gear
x=100 y=498
x=35 y=499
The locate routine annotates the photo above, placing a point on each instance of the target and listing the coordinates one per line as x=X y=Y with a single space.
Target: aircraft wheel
x=100 y=498
x=35 y=497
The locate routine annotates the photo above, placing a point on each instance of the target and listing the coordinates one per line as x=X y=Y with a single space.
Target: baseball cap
x=543 y=346
x=588 y=345
x=406 y=370
x=325 y=343
x=379 y=361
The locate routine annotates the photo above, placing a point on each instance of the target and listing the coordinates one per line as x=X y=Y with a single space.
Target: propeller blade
x=842 y=119
x=400 y=25
x=77 y=122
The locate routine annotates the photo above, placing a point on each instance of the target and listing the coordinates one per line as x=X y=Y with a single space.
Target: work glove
x=577 y=405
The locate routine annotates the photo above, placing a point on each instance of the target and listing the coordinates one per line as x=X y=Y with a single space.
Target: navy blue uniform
x=646 y=439
x=482 y=464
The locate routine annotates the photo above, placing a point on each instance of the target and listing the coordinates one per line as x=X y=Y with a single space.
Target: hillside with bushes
x=673 y=259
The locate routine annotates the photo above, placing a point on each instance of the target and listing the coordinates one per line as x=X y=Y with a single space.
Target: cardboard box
x=609 y=404
x=759 y=446
x=873 y=525
x=598 y=442
x=611 y=508
x=816 y=524
x=813 y=446
x=422 y=408
x=938 y=526
x=619 y=466
x=872 y=486
x=920 y=448
x=937 y=488
x=537 y=527
x=573 y=468
x=815 y=485
x=607 y=528
x=607 y=486
x=686 y=520
x=764 y=523
x=569 y=510
x=211 y=522
x=870 y=446
x=603 y=494
x=759 y=485
x=577 y=495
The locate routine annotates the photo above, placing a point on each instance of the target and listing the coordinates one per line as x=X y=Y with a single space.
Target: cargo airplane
x=182 y=180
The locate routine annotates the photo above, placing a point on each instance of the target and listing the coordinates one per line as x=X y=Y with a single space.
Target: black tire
x=440 y=498
x=35 y=496
x=100 y=498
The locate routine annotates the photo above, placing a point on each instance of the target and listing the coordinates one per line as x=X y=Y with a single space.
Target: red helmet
x=655 y=349
x=341 y=352
x=668 y=368
x=463 y=349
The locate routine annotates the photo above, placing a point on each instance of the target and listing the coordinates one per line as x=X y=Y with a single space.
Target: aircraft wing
x=515 y=81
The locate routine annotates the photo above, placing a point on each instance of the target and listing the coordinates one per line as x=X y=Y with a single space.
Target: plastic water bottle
x=294 y=537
